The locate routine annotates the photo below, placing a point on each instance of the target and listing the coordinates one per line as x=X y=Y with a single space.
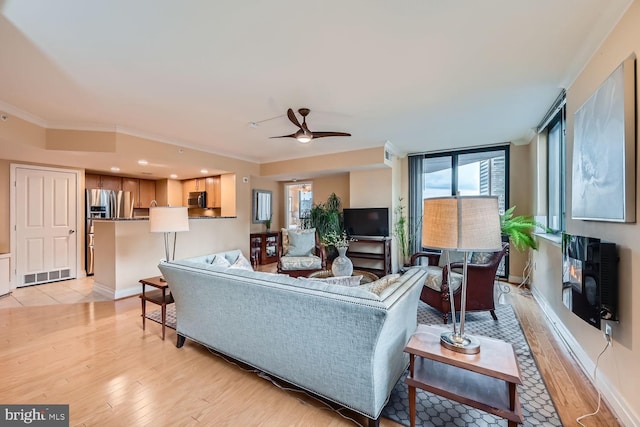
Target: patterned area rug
x=432 y=410
x=156 y=316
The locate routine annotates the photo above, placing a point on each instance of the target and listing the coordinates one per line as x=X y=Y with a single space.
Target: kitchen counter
x=125 y=251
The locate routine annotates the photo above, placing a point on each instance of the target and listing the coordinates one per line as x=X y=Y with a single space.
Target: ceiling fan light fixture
x=303 y=136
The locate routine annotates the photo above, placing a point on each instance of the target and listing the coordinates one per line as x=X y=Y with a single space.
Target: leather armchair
x=480 y=282
x=296 y=266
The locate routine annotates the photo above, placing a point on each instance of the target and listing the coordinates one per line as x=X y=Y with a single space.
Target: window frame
x=561 y=119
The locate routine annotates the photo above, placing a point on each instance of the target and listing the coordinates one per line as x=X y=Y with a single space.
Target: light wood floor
x=95 y=357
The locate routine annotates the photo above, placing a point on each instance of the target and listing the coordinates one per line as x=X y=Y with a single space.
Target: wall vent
x=46 y=276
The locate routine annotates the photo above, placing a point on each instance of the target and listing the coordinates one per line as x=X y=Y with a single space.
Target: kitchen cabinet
x=147 y=192
x=212 y=187
x=105 y=182
x=91 y=181
x=191 y=185
x=143 y=190
x=109 y=182
x=132 y=185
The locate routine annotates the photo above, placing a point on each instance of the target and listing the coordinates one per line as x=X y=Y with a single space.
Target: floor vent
x=47 y=276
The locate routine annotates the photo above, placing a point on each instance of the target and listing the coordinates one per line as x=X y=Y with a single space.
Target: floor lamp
x=167 y=220
x=461 y=223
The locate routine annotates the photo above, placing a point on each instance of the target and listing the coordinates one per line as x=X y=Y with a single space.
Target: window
x=482 y=171
x=469 y=173
x=556 y=166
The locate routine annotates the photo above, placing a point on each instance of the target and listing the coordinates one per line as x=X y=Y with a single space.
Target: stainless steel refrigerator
x=103 y=204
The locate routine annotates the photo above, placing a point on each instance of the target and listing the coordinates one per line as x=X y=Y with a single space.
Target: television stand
x=371 y=253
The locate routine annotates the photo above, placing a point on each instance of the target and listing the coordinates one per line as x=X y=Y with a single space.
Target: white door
x=45 y=225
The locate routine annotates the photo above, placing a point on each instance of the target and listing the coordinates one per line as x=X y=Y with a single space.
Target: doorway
x=44 y=222
x=298 y=201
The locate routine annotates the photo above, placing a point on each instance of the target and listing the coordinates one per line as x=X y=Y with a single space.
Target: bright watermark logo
x=36 y=415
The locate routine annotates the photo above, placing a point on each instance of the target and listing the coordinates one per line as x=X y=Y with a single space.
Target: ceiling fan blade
x=325 y=134
x=293 y=118
x=293 y=135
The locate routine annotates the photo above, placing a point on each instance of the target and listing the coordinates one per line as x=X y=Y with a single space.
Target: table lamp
x=167 y=220
x=461 y=223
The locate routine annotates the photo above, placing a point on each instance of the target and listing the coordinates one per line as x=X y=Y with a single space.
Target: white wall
x=619 y=368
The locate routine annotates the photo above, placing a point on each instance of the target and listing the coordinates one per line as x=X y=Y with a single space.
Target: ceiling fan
x=304 y=135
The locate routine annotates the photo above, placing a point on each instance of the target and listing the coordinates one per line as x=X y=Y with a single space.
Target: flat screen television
x=590 y=278
x=371 y=222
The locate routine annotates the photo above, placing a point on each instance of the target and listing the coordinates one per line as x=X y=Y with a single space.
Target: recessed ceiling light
x=143 y=162
x=115 y=169
x=204 y=171
x=173 y=176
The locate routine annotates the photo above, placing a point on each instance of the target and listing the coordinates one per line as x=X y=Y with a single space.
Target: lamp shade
x=168 y=219
x=470 y=223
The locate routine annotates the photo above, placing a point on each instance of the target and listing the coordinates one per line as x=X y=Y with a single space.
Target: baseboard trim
x=625 y=414
x=117 y=293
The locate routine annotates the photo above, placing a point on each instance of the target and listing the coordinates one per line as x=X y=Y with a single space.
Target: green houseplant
x=519 y=229
x=327 y=219
x=404 y=237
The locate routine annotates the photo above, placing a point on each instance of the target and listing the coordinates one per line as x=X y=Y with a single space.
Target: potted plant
x=326 y=218
x=341 y=266
x=267 y=223
x=519 y=229
x=405 y=238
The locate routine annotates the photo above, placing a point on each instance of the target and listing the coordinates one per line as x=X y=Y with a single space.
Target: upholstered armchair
x=300 y=252
x=481 y=274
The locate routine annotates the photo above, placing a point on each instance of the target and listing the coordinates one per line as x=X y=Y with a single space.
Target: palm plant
x=326 y=217
x=519 y=229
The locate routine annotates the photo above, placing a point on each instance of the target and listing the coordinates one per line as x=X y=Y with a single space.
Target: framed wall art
x=604 y=150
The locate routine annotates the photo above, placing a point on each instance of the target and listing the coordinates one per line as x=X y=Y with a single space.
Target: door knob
x=72 y=231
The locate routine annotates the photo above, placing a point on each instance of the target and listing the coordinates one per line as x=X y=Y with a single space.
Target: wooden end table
x=486 y=381
x=159 y=297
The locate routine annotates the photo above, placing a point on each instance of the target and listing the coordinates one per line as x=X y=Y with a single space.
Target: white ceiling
x=423 y=74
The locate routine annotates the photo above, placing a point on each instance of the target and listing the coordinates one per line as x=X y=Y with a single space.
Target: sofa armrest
x=433 y=257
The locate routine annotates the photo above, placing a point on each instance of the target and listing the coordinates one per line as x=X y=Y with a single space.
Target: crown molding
x=21 y=114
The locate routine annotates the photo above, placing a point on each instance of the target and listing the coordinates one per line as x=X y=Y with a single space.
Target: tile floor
x=63 y=292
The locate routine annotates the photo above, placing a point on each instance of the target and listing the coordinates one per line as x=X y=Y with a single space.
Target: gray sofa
x=341 y=343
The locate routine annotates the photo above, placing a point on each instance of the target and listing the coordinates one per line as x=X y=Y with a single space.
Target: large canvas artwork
x=603 y=185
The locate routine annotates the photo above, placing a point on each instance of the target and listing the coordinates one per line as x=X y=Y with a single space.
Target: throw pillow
x=481 y=257
x=454 y=256
x=376 y=287
x=242 y=263
x=220 y=261
x=301 y=242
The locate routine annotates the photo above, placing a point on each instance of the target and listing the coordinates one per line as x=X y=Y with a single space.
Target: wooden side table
x=159 y=297
x=486 y=381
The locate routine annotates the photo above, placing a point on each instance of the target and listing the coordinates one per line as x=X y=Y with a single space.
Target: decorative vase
x=342 y=266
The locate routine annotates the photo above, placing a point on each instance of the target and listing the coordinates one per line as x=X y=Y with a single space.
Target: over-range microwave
x=197 y=199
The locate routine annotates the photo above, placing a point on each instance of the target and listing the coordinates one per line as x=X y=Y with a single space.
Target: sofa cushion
x=434 y=278
x=219 y=261
x=377 y=286
x=301 y=242
x=242 y=263
x=311 y=262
